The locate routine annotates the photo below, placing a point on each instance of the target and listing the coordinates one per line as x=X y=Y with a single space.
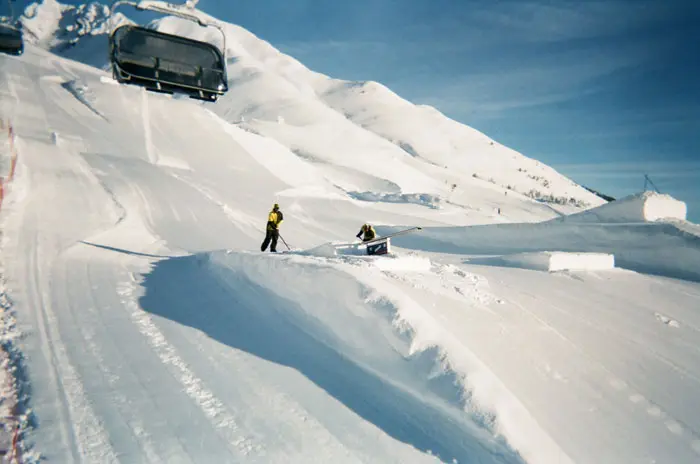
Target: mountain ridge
x=276 y=96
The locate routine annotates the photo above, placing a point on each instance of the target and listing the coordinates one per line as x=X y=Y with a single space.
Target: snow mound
x=670 y=249
x=561 y=261
x=332 y=249
x=642 y=207
x=327 y=250
x=667 y=320
x=403 y=263
x=298 y=332
x=389 y=262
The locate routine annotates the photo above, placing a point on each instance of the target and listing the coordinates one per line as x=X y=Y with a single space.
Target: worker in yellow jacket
x=272 y=234
x=367 y=232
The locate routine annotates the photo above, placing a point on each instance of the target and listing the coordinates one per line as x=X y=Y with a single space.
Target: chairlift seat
x=11 y=40
x=167 y=63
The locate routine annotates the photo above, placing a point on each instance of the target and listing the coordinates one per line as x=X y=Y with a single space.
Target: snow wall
x=642 y=207
x=559 y=261
x=671 y=249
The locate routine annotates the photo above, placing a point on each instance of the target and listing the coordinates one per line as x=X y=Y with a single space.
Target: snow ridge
x=492 y=403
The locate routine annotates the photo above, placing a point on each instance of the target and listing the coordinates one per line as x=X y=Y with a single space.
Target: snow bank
x=643 y=207
x=667 y=248
x=561 y=261
x=332 y=249
x=309 y=323
x=388 y=262
x=403 y=263
x=489 y=398
x=327 y=250
x=10 y=360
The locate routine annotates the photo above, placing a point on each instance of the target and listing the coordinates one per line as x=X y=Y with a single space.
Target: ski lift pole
x=12 y=11
x=647 y=180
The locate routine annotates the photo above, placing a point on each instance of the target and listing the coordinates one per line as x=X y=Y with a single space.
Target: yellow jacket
x=368 y=231
x=274 y=219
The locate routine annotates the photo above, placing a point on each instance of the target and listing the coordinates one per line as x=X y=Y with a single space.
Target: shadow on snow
x=233 y=309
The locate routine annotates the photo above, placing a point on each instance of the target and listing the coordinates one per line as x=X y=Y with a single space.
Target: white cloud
x=570 y=20
x=672 y=169
x=552 y=80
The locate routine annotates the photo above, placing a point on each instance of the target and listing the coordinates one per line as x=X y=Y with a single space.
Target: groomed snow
x=643 y=207
x=155 y=331
x=560 y=261
x=670 y=249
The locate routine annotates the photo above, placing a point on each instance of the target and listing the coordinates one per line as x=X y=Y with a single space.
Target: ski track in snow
x=91 y=440
x=120 y=399
x=195 y=388
x=146 y=121
x=235 y=216
x=80 y=426
x=625 y=389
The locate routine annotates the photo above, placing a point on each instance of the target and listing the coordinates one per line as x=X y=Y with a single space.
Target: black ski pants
x=270 y=239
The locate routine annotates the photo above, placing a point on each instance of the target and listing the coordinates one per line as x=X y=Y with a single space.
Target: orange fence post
x=14 y=451
x=11 y=136
x=13 y=150
x=13 y=163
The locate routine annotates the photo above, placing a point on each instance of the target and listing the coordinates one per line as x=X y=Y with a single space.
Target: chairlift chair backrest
x=168 y=63
x=11 y=41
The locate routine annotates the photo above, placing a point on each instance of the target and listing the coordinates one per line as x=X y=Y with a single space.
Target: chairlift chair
x=11 y=41
x=167 y=63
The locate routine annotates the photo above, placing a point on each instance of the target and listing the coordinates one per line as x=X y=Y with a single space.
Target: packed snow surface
x=643 y=207
x=560 y=261
x=146 y=326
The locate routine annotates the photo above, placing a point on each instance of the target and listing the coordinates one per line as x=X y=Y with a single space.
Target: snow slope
x=561 y=261
x=663 y=247
x=644 y=207
x=149 y=328
x=121 y=382
x=369 y=140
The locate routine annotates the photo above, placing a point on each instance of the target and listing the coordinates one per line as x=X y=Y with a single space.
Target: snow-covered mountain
x=411 y=149
x=140 y=323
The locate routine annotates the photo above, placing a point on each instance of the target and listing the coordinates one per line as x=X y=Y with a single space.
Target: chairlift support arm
x=147 y=5
x=12 y=10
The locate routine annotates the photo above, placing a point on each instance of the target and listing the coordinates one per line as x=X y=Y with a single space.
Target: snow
x=560 y=261
x=145 y=326
x=669 y=249
x=643 y=207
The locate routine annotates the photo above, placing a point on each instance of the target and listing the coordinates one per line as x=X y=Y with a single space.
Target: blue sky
x=602 y=90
